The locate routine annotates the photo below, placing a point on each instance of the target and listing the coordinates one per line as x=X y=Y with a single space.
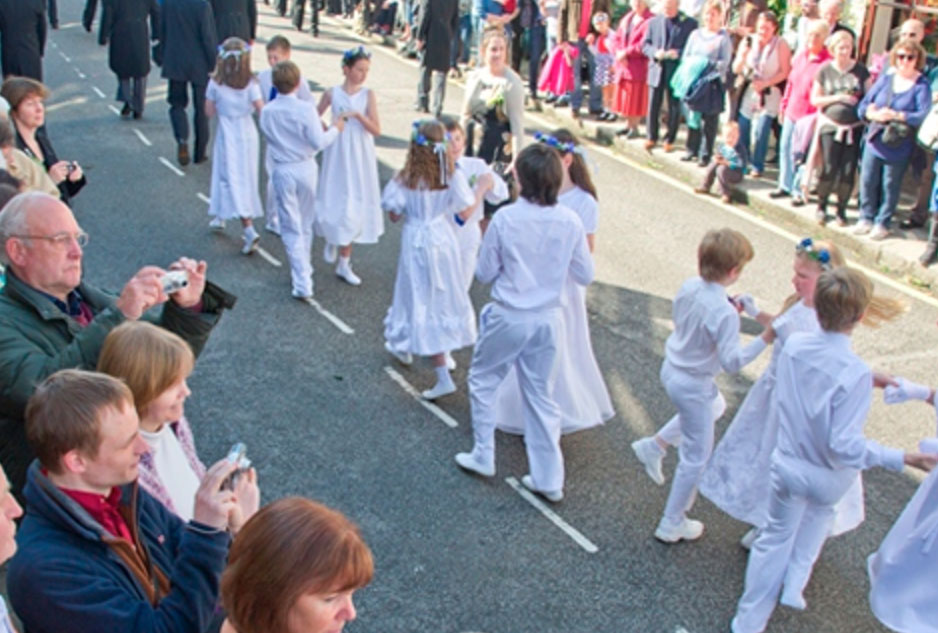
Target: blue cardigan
x=915 y=102
x=65 y=579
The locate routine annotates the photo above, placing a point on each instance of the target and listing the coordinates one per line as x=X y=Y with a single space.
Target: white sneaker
x=251 y=238
x=749 y=538
x=450 y=361
x=650 y=454
x=272 y=228
x=404 y=358
x=216 y=224
x=440 y=389
x=793 y=599
x=554 y=496
x=470 y=461
x=686 y=530
x=863 y=227
x=301 y=296
x=879 y=232
x=344 y=271
x=330 y=253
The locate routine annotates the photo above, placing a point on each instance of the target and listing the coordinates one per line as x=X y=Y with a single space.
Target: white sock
x=344 y=261
x=442 y=375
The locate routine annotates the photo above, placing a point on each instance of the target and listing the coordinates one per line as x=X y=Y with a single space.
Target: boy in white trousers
x=528 y=251
x=823 y=393
x=294 y=134
x=278 y=50
x=705 y=342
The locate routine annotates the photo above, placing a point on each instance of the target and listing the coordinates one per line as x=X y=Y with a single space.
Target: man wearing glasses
x=50 y=319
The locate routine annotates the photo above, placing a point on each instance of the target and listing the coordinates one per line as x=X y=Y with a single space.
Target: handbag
x=928 y=132
x=894 y=133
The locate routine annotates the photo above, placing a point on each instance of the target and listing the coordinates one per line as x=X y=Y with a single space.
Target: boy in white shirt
x=294 y=134
x=529 y=249
x=823 y=393
x=278 y=50
x=704 y=343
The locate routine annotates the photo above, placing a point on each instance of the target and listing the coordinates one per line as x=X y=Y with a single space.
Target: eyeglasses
x=902 y=56
x=61 y=240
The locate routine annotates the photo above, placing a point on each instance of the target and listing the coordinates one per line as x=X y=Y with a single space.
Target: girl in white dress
x=578 y=384
x=349 y=200
x=234 y=95
x=430 y=314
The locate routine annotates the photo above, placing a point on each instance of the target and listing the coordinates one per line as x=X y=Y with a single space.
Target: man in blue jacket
x=97 y=553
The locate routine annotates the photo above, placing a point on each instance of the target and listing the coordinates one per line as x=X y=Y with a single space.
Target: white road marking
x=80 y=74
x=98 y=92
x=426 y=404
x=67 y=59
x=336 y=321
x=552 y=516
x=143 y=139
x=681 y=629
x=114 y=109
x=204 y=198
x=260 y=250
x=172 y=167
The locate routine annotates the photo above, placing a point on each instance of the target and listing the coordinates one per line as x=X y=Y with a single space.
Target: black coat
x=22 y=37
x=124 y=25
x=439 y=24
x=235 y=18
x=187 y=40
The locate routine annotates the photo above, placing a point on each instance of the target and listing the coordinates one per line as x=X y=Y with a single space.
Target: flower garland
x=439 y=147
x=352 y=55
x=821 y=255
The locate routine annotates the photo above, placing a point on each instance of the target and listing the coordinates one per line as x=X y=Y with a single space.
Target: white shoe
x=344 y=271
x=650 y=454
x=440 y=389
x=251 y=238
x=301 y=296
x=863 y=227
x=272 y=228
x=793 y=599
x=330 y=253
x=686 y=530
x=554 y=496
x=879 y=232
x=749 y=538
x=450 y=361
x=216 y=224
x=404 y=358
x=469 y=461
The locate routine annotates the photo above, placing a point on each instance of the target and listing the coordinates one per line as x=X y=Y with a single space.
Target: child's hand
x=902 y=390
x=485 y=183
x=881 y=381
x=748 y=304
x=720 y=160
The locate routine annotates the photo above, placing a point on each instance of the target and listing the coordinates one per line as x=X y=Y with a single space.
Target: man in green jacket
x=50 y=319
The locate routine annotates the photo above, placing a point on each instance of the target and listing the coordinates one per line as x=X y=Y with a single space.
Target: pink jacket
x=629 y=37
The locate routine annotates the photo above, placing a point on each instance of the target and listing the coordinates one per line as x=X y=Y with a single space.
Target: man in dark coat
x=235 y=18
x=87 y=16
x=439 y=24
x=22 y=37
x=187 y=54
x=54 y=14
x=124 y=25
x=664 y=42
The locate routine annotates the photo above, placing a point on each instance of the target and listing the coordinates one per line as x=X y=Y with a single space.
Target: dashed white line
x=204 y=198
x=273 y=261
x=172 y=167
x=98 y=92
x=429 y=406
x=341 y=325
x=552 y=516
x=67 y=59
x=80 y=74
x=114 y=109
x=143 y=139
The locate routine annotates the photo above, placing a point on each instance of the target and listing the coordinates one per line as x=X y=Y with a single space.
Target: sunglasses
x=906 y=57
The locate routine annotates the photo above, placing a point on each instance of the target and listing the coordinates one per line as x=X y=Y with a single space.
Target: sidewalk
x=896 y=256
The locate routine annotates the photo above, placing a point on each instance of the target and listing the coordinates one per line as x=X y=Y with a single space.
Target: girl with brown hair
x=431 y=314
x=234 y=95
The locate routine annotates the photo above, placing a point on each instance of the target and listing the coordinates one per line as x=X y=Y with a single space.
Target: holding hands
x=902 y=390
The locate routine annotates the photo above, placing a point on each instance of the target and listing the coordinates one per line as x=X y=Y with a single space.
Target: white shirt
x=823 y=392
x=173 y=468
x=584 y=205
x=706 y=331
x=473 y=168
x=529 y=250
x=5 y=625
x=266 y=79
x=293 y=129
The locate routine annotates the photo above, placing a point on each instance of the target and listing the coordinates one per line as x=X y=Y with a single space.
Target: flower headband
x=354 y=54
x=225 y=54
x=439 y=147
x=552 y=141
x=821 y=255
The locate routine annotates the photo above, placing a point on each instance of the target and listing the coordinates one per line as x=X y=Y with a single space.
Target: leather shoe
x=668 y=147
x=126 y=111
x=182 y=154
x=911 y=223
x=778 y=193
x=649 y=145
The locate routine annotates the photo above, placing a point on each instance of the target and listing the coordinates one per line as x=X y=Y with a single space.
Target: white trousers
x=273 y=219
x=699 y=405
x=801 y=508
x=526 y=340
x=295 y=192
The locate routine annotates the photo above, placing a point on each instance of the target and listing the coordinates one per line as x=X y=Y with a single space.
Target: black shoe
x=201 y=159
x=551 y=99
x=55 y=26
x=704 y=161
x=138 y=116
x=911 y=223
x=688 y=158
x=87 y=27
x=126 y=111
x=778 y=193
x=182 y=154
x=797 y=202
x=419 y=107
x=562 y=101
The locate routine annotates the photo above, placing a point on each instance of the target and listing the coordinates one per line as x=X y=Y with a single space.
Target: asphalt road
x=323 y=418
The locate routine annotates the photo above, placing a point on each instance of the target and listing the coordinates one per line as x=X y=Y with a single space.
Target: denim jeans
x=786 y=162
x=880 y=184
x=763 y=136
x=535 y=51
x=585 y=58
x=460 y=50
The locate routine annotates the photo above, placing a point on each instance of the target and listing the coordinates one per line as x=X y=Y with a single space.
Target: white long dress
x=578 y=385
x=236 y=154
x=348 y=205
x=737 y=476
x=904 y=571
x=431 y=312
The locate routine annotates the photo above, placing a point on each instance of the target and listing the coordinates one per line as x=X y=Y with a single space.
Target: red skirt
x=632 y=98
